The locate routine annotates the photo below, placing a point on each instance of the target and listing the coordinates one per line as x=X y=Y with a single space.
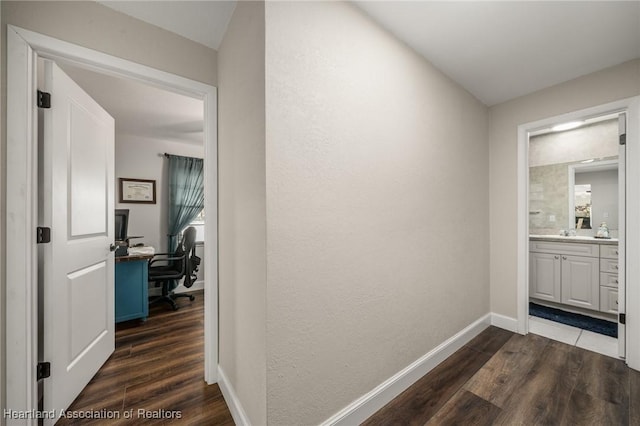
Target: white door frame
x=632 y=272
x=23 y=47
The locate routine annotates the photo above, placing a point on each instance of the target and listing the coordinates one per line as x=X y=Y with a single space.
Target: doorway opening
x=24 y=50
x=575 y=213
x=545 y=268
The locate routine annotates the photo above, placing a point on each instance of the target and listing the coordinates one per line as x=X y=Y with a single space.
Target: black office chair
x=170 y=267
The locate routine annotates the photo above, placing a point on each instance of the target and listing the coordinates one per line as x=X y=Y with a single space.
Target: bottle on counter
x=603 y=231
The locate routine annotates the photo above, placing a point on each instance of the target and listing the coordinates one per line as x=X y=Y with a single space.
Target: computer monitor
x=122 y=224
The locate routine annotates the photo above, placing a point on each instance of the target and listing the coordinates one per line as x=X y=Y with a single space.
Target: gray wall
x=242 y=212
x=611 y=84
x=97 y=27
x=377 y=205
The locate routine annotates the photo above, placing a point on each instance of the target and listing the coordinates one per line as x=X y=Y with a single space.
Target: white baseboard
x=235 y=407
x=365 y=406
x=504 y=322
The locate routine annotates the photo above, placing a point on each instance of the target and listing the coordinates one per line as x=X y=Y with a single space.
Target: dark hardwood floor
x=501 y=378
x=498 y=378
x=158 y=366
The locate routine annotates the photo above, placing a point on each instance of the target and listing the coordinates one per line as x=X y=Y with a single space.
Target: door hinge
x=622 y=318
x=622 y=128
x=623 y=139
x=44 y=99
x=43 y=235
x=43 y=370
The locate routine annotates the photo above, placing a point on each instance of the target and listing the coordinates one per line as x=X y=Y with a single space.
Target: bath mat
x=608 y=328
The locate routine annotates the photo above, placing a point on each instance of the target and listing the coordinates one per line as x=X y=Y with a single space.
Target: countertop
x=574 y=239
x=133 y=257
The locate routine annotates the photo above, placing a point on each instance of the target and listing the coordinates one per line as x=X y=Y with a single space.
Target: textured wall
x=377 y=205
x=242 y=215
x=608 y=85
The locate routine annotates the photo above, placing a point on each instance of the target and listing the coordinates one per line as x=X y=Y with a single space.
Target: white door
x=76 y=267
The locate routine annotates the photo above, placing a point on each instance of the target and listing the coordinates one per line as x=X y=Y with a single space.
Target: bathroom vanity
x=574 y=271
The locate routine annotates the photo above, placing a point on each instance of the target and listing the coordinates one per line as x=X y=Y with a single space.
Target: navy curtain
x=186 y=194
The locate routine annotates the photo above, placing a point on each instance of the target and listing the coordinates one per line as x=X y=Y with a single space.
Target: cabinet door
x=131 y=294
x=581 y=282
x=544 y=276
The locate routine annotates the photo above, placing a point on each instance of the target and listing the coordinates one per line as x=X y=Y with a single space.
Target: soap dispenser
x=603 y=231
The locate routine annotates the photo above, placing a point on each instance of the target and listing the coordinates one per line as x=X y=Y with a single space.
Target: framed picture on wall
x=137 y=191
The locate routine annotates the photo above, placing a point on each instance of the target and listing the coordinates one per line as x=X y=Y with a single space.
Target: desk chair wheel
x=176 y=295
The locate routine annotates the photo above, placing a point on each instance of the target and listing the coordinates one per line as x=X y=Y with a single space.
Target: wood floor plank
x=423 y=399
x=490 y=340
x=141 y=392
x=584 y=409
x=634 y=397
x=465 y=408
x=544 y=396
x=604 y=378
x=158 y=365
x=507 y=371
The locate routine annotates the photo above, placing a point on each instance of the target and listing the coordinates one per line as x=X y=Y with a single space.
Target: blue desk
x=132 y=288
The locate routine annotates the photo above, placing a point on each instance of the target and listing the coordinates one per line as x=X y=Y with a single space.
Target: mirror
x=593 y=194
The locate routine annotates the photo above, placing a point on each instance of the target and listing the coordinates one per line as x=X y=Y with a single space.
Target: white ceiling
x=496 y=50
x=201 y=21
x=499 y=50
x=142 y=110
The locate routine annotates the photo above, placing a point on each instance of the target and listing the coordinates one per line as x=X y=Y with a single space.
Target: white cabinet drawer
x=609 y=265
x=609 y=300
x=608 y=251
x=575 y=249
x=608 y=280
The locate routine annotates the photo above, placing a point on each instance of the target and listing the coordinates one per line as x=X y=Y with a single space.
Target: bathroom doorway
x=628 y=297
x=575 y=216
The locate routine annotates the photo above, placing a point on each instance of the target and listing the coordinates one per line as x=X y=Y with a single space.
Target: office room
x=158 y=160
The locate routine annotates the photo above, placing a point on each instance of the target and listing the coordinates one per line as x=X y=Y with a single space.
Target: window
x=198 y=223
